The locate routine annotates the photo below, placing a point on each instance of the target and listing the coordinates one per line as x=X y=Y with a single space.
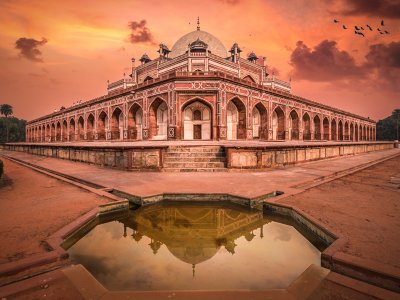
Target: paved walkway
x=246 y=184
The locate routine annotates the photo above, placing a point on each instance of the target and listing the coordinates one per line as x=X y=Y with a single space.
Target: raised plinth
x=208 y=156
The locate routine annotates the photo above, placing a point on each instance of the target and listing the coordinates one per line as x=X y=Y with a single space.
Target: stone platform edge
x=238 y=157
x=372 y=272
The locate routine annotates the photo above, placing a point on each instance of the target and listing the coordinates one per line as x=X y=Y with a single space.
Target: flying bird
x=362 y=28
x=344 y=27
x=379 y=29
x=335 y=21
x=356 y=28
x=359 y=33
x=369 y=27
x=382 y=23
x=380 y=32
x=387 y=32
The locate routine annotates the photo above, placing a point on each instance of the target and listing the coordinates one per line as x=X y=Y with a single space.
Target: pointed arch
x=135 y=122
x=58 y=131
x=64 y=135
x=325 y=124
x=236 y=119
x=294 y=125
x=158 y=119
x=306 y=127
x=102 y=124
x=90 y=127
x=197 y=120
x=346 y=135
x=340 y=130
x=352 y=132
x=260 y=121
x=81 y=129
x=334 y=136
x=71 y=131
x=53 y=132
x=117 y=124
x=317 y=127
x=278 y=124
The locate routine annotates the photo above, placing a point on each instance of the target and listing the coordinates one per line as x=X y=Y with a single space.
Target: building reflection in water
x=193 y=233
x=194 y=246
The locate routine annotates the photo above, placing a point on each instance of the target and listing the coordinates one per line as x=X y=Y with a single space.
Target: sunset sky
x=53 y=53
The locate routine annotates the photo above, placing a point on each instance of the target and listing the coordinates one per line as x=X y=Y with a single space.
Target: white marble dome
x=214 y=44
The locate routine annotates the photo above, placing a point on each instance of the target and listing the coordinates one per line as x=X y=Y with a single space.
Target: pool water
x=194 y=246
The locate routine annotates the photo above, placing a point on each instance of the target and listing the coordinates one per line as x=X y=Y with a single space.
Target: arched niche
x=197 y=121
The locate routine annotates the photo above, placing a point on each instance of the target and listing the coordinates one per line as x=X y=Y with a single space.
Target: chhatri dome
x=214 y=45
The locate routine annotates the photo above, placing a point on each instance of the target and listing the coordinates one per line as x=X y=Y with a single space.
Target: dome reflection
x=194 y=232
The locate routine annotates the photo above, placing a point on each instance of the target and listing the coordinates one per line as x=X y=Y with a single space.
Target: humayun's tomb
x=199 y=107
x=199 y=91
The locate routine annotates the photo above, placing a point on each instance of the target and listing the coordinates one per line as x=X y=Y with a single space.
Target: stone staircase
x=195 y=159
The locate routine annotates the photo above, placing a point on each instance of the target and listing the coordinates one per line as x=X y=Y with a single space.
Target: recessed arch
x=260 y=121
x=306 y=127
x=197 y=120
x=351 y=135
x=81 y=128
x=58 y=131
x=117 y=124
x=334 y=136
x=356 y=134
x=53 y=132
x=317 y=127
x=346 y=135
x=294 y=125
x=325 y=124
x=278 y=124
x=135 y=122
x=340 y=130
x=236 y=119
x=102 y=124
x=90 y=127
x=71 y=131
x=158 y=119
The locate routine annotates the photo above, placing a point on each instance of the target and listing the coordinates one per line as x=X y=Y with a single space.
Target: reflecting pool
x=194 y=246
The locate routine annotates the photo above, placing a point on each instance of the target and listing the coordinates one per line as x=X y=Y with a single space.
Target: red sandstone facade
x=199 y=91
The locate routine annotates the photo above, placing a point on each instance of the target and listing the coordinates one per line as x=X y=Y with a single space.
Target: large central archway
x=158 y=120
x=102 y=123
x=236 y=120
x=197 y=121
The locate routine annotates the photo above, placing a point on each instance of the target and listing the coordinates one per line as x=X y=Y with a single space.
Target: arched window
x=197 y=115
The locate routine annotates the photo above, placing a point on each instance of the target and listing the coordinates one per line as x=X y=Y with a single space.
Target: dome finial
x=198 y=23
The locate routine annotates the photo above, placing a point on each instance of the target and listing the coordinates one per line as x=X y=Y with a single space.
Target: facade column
x=221 y=115
x=287 y=137
x=173 y=129
x=270 y=113
x=301 y=125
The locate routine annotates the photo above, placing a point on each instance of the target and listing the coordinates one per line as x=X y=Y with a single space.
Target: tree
x=6 y=110
x=388 y=128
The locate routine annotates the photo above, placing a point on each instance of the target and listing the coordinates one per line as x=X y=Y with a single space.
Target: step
x=194 y=154
x=188 y=164
x=194 y=169
x=195 y=159
x=195 y=149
